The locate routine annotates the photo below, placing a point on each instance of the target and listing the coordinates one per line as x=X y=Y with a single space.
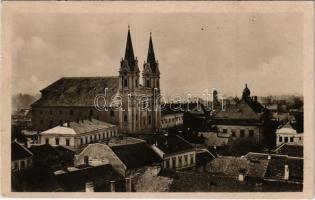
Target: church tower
x=151 y=82
x=129 y=75
x=151 y=72
x=129 y=71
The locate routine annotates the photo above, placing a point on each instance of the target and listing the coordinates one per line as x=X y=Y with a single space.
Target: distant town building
x=287 y=134
x=171 y=117
x=75 y=134
x=21 y=157
x=73 y=98
x=22 y=118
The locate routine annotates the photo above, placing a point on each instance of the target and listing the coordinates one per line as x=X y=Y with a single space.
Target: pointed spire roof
x=151 y=56
x=129 y=55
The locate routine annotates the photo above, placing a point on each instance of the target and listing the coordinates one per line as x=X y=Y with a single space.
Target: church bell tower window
x=125 y=82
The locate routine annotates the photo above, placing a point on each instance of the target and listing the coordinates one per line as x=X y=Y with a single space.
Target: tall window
x=51 y=112
x=280 y=139
x=125 y=82
x=71 y=112
x=148 y=83
x=112 y=113
x=251 y=133
x=91 y=112
x=285 y=139
x=291 y=139
x=67 y=142
x=57 y=141
x=242 y=133
x=46 y=141
x=233 y=133
x=125 y=118
x=149 y=119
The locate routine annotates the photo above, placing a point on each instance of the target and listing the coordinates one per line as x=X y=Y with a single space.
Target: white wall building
x=76 y=134
x=286 y=134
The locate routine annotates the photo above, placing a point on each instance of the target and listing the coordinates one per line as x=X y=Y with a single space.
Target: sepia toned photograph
x=158 y=98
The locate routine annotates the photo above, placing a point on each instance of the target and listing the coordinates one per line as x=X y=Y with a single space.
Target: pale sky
x=195 y=51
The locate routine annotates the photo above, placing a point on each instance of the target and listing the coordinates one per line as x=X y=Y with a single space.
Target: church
x=73 y=98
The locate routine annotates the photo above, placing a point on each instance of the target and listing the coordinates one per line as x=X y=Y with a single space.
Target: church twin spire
x=130 y=58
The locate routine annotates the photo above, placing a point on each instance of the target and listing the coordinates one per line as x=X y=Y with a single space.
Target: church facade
x=136 y=108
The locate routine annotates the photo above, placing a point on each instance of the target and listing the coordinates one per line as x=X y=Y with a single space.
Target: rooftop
x=136 y=155
x=290 y=150
x=168 y=144
x=243 y=112
x=76 y=91
x=80 y=176
x=78 y=127
x=19 y=152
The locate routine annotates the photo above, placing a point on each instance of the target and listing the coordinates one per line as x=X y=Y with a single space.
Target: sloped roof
x=75 y=180
x=286 y=129
x=77 y=91
x=168 y=144
x=276 y=165
x=136 y=155
x=242 y=113
x=232 y=166
x=42 y=151
x=19 y=152
x=290 y=150
x=78 y=127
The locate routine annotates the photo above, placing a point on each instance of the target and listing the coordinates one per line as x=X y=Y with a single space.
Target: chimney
x=128 y=184
x=241 y=175
x=286 y=172
x=89 y=187
x=112 y=186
